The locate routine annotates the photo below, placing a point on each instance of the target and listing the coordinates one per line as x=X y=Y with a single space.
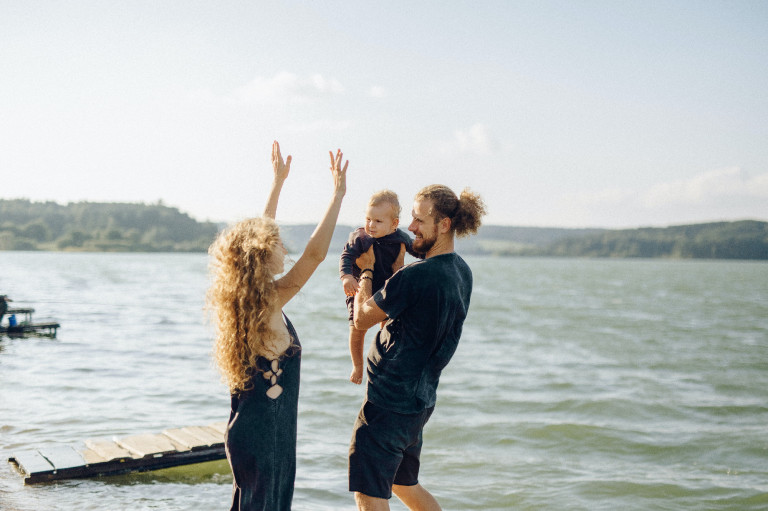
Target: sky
x=615 y=114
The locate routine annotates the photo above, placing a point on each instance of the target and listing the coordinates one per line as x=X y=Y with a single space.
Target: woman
x=257 y=349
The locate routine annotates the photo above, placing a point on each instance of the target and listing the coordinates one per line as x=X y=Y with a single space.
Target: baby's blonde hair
x=386 y=197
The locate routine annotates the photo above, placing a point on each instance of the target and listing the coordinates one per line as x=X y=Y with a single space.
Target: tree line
x=746 y=239
x=107 y=227
x=137 y=227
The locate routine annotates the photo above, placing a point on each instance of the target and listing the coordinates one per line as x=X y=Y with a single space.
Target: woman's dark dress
x=261 y=435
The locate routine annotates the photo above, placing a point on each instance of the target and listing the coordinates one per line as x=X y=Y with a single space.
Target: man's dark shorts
x=385 y=450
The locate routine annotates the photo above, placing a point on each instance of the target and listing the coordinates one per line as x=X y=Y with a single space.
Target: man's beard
x=423 y=245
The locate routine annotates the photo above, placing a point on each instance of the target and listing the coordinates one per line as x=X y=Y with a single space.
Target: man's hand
x=366 y=260
x=400 y=261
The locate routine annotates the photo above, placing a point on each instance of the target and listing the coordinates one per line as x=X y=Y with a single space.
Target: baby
x=381 y=219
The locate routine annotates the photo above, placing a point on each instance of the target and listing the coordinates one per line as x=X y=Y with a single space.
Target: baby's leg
x=356 y=342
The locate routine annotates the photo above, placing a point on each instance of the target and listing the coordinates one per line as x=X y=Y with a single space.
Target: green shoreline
x=136 y=227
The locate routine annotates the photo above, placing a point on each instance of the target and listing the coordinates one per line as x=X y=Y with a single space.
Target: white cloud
x=721 y=194
x=473 y=141
x=377 y=92
x=321 y=125
x=728 y=183
x=287 y=87
x=284 y=87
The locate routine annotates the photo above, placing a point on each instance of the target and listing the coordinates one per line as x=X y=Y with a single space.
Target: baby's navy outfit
x=385 y=249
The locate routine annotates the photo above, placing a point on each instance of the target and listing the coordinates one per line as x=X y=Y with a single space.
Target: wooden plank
x=62 y=457
x=107 y=449
x=137 y=453
x=194 y=437
x=91 y=457
x=207 y=436
x=219 y=427
x=215 y=432
x=31 y=462
x=147 y=445
x=184 y=438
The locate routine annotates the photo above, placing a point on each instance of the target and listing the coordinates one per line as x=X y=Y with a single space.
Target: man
x=424 y=305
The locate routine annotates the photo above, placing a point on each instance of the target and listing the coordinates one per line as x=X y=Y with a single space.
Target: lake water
x=578 y=384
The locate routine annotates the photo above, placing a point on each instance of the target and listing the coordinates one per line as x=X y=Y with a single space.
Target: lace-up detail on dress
x=273 y=375
x=272 y=369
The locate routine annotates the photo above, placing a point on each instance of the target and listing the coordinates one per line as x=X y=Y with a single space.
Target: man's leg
x=416 y=498
x=366 y=503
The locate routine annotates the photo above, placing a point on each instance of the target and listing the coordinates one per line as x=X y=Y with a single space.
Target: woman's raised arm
x=281 y=169
x=317 y=247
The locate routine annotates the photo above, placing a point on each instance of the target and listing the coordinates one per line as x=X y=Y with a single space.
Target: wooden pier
x=26 y=326
x=137 y=453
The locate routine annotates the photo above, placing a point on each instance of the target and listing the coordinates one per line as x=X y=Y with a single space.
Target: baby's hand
x=350 y=285
x=357 y=375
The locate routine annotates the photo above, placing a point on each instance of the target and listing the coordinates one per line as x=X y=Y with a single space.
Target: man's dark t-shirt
x=426 y=303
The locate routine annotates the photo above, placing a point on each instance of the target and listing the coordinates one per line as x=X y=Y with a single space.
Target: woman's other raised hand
x=339 y=173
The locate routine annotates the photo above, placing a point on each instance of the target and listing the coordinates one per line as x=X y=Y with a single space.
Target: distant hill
x=105 y=227
x=491 y=239
x=515 y=241
x=124 y=227
x=747 y=239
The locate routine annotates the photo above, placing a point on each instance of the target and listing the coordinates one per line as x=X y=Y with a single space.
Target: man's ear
x=444 y=226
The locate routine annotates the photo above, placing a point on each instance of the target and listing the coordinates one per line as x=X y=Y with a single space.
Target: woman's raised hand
x=280 y=167
x=339 y=173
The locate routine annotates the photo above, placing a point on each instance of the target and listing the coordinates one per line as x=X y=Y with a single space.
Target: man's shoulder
x=442 y=263
x=438 y=264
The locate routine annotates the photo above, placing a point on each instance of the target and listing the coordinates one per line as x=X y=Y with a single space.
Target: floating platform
x=137 y=453
x=26 y=326
x=47 y=329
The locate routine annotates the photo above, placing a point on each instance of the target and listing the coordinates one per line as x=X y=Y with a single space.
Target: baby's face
x=380 y=220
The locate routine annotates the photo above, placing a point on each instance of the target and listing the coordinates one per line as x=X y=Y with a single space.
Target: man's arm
x=367 y=312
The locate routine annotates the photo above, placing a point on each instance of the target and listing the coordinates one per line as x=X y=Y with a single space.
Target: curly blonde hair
x=241 y=297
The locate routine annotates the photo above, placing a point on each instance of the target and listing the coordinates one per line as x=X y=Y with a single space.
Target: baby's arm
x=350 y=285
x=348 y=281
x=347 y=263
